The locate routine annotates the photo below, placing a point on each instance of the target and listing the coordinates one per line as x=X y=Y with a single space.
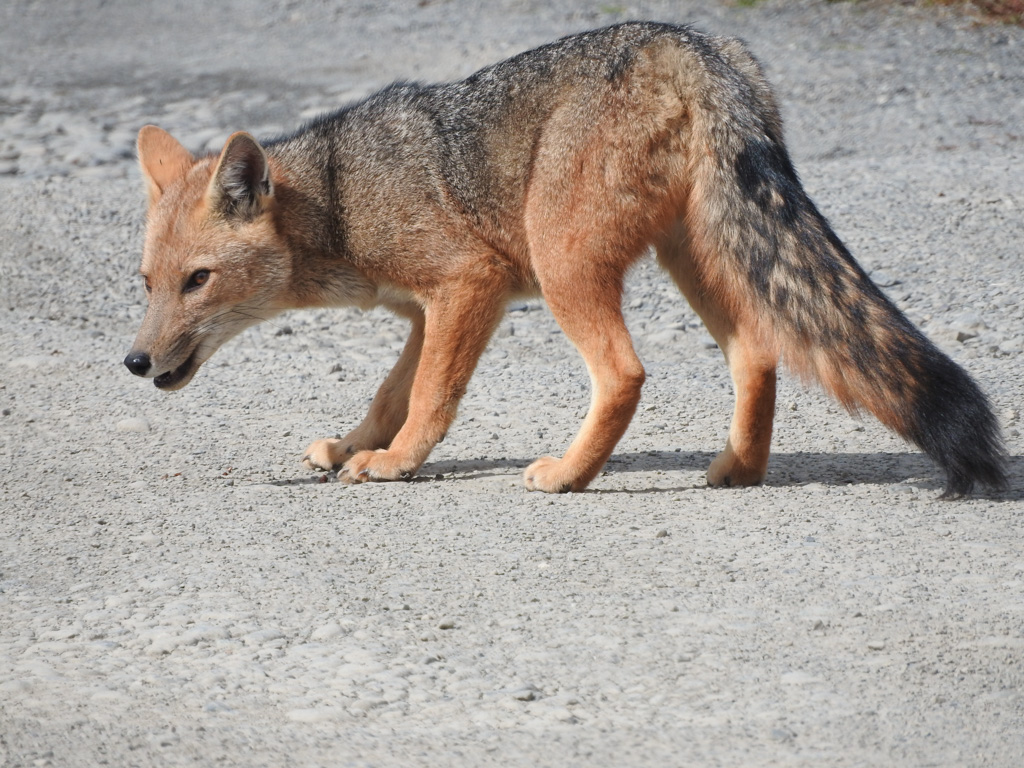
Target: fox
x=547 y=174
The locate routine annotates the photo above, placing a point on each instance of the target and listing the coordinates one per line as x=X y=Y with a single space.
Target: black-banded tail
x=757 y=237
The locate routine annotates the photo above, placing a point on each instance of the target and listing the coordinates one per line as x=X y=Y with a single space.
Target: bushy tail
x=756 y=233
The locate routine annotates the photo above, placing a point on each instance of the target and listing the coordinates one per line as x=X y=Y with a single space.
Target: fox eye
x=149 y=286
x=197 y=279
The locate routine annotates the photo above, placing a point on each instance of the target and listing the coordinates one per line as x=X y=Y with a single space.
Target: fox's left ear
x=241 y=185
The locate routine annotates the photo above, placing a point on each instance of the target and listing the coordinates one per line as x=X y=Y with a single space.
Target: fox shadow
x=784 y=469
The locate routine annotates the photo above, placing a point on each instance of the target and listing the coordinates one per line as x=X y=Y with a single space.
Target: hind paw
x=551 y=475
x=728 y=470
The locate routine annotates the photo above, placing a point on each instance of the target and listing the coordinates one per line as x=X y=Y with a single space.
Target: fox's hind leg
x=752 y=360
x=587 y=303
x=387 y=412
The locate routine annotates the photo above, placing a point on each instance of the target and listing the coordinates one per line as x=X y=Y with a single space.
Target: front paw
x=326 y=454
x=378 y=466
x=550 y=475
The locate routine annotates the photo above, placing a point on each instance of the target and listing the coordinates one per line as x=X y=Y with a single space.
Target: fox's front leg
x=458 y=326
x=387 y=412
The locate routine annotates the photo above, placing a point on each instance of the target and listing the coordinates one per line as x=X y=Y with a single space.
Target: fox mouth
x=180 y=376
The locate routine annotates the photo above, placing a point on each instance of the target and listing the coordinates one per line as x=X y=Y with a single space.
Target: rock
x=326 y=632
x=883 y=279
x=526 y=693
x=314 y=714
x=32 y=361
x=136 y=424
x=261 y=636
x=967 y=326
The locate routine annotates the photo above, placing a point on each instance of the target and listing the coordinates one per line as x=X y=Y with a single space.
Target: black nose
x=138 y=363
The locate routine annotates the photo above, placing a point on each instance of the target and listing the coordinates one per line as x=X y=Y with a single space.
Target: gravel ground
x=175 y=589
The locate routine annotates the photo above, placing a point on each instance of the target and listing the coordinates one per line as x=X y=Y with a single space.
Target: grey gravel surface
x=176 y=590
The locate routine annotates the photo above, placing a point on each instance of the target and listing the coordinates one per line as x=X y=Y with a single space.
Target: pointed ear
x=241 y=185
x=162 y=159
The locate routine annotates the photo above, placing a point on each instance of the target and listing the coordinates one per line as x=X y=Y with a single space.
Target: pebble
x=883 y=279
x=315 y=715
x=876 y=645
x=262 y=636
x=32 y=361
x=798 y=677
x=526 y=693
x=326 y=632
x=136 y=424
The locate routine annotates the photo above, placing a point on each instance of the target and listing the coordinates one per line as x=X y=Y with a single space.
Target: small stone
x=315 y=714
x=446 y=624
x=261 y=637
x=876 y=645
x=326 y=632
x=785 y=735
x=136 y=424
x=883 y=279
x=661 y=534
x=32 y=362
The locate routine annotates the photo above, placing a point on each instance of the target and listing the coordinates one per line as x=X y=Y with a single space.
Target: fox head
x=213 y=262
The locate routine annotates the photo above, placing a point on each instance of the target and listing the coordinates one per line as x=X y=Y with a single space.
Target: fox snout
x=138 y=363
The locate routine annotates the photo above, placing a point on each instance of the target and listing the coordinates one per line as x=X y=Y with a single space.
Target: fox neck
x=310 y=223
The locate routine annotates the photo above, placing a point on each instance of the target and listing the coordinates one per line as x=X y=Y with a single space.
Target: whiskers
x=205 y=338
x=234 y=320
x=208 y=336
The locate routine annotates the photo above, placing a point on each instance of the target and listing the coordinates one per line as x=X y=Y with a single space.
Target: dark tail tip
x=955 y=425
